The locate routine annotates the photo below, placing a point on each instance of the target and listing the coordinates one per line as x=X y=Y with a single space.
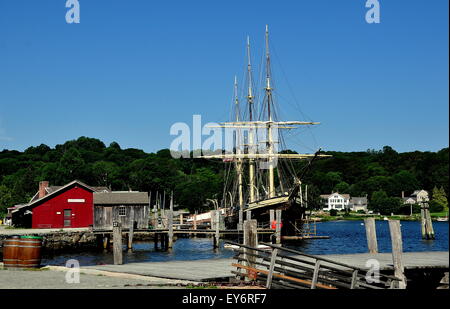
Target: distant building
x=77 y=205
x=335 y=201
x=358 y=203
x=130 y=208
x=417 y=196
x=66 y=206
x=420 y=196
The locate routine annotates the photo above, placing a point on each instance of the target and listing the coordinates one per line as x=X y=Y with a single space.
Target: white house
x=358 y=203
x=336 y=201
x=418 y=196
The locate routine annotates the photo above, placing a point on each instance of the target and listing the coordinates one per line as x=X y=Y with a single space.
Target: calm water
x=345 y=237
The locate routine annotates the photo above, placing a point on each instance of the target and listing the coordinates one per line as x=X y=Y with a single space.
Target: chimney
x=403 y=194
x=42 y=186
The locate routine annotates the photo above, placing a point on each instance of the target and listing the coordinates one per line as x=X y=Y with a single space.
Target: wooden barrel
x=29 y=252
x=11 y=251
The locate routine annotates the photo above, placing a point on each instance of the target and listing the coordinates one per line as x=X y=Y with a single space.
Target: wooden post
x=155 y=218
x=170 y=223
x=271 y=268
x=248 y=215
x=430 y=223
x=371 y=234
x=241 y=219
x=212 y=219
x=271 y=217
x=251 y=240
x=397 y=251
x=163 y=218
x=427 y=225
x=217 y=227
x=155 y=239
x=315 y=274
x=131 y=228
x=278 y=227
x=354 y=282
x=181 y=218
x=117 y=243
x=221 y=221
x=195 y=223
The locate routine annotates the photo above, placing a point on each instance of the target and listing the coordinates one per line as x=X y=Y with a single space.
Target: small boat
x=445 y=219
x=234 y=247
x=385 y=219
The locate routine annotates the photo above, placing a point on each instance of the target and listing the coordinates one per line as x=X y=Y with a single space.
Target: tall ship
x=260 y=171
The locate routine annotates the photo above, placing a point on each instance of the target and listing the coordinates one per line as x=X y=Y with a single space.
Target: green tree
x=439 y=200
x=71 y=165
x=342 y=187
x=6 y=199
x=385 y=205
x=105 y=172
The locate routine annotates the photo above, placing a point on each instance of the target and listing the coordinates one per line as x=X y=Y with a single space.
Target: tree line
x=379 y=174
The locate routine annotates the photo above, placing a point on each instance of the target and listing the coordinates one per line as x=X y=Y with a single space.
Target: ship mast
x=270 y=143
x=252 y=154
x=250 y=133
x=238 y=148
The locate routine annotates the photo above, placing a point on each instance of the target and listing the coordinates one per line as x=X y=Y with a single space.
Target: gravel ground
x=50 y=279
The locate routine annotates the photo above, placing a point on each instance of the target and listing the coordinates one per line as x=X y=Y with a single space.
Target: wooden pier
x=221 y=269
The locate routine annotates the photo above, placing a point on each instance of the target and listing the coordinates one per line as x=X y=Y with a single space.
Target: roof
x=408 y=198
x=360 y=200
x=53 y=193
x=417 y=192
x=325 y=196
x=121 y=198
x=52 y=189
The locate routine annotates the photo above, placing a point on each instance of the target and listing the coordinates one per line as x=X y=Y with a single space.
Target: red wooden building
x=68 y=206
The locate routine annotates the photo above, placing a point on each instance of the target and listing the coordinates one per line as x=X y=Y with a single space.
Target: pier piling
x=427 y=225
x=271 y=217
x=371 y=235
x=195 y=223
x=250 y=240
x=278 y=227
x=117 y=243
x=131 y=229
x=170 y=223
x=397 y=252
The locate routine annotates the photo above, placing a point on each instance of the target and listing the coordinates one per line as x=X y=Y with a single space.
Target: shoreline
x=361 y=218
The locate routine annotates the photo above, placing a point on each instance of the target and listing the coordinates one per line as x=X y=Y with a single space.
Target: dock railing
x=284 y=268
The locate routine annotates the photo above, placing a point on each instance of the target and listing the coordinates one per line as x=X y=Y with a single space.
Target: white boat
x=234 y=247
x=445 y=219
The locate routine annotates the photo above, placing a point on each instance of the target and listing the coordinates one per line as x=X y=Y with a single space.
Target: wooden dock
x=187 y=231
x=220 y=269
x=198 y=270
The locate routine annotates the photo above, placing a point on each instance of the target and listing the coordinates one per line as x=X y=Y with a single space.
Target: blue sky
x=131 y=69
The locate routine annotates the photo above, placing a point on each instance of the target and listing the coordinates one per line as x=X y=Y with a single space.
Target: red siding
x=50 y=214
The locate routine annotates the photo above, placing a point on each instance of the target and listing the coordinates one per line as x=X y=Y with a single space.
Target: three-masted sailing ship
x=260 y=175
